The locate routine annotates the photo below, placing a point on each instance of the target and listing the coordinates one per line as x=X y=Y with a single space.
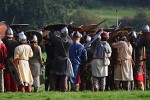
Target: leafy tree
x=82 y=17
x=137 y=21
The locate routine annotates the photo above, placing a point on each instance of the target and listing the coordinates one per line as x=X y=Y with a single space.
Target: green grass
x=88 y=95
x=110 y=14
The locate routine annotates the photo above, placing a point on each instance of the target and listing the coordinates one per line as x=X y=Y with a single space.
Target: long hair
x=34 y=47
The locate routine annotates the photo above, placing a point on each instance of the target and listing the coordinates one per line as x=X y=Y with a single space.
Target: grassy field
x=108 y=95
x=85 y=95
x=110 y=14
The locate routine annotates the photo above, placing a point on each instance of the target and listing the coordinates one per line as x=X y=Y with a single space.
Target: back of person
x=10 y=45
x=78 y=57
x=24 y=51
x=22 y=54
x=3 y=55
x=75 y=53
x=124 y=50
x=57 y=72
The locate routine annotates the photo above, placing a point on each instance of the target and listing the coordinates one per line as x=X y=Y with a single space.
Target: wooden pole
x=145 y=70
x=116 y=18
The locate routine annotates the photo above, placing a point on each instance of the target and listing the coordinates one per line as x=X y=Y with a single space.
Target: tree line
x=39 y=13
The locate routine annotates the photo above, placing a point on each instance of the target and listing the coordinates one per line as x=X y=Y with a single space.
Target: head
x=123 y=38
x=104 y=36
x=22 y=38
x=145 y=29
x=9 y=33
x=133 y=34
x=35 y=39
x=64 y=32
x=88 y=39
x=77 y=36
x=41 y=32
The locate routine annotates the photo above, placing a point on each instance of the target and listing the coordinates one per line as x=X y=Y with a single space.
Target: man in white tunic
x=101 y=51
x=22 y=54
x=123 y=70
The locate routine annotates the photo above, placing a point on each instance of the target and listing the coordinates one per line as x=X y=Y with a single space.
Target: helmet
x=35 y=39
x=123 y=38
x=77 y=35
x=105 y=35
x=133 y=34
x=64 y=31
x=22 y=37
x=88 y=39
x=145 y=28
x=41 y=32
x=9 y=32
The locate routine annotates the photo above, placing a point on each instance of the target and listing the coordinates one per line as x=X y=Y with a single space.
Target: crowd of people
x=100 y=66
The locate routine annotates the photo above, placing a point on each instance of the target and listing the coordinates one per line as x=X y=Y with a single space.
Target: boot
x=21 y=88
x=75 y=87
x=36 y=89
x=28 y=88
x=117 y=85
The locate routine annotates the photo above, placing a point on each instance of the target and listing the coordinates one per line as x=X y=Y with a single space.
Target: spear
x=13 y=20
x=96 y=25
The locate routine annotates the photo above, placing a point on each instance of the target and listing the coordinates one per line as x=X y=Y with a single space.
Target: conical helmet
x=9 y=32
x=22 y=36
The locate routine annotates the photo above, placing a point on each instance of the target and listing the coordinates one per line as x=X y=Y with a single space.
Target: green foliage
x=83 y=17
x=39 y=13
x=140 y=19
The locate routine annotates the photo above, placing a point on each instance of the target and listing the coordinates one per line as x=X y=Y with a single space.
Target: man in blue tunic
x=78 y=56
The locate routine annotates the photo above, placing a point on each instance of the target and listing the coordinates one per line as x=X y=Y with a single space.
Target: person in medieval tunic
x=35 y=63
x=86 y=72
x=49 y=49
x=101 y=52
x=22 y=54
x=139 y=76
x=78 y=56
x=132 y=38
x=11 y=44
x=123 y=70
x=62 y=44
x=3 y=55
x=144 y=41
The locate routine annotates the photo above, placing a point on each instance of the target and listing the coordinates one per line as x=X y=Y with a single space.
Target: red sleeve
x=4 y=51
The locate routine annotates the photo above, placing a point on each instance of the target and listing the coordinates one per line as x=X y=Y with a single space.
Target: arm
x=5 y=51
x=108 y=50
x=16 y=61
x=16 y=57
x=41 y=61
x=84 y=56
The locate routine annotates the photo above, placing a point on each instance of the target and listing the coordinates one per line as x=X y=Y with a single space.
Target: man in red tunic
x=3 y=55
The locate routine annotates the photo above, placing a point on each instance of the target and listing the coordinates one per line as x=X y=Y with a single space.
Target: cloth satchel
x=69 y=70
x=106 y=60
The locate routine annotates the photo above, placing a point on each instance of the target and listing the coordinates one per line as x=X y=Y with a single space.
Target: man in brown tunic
x=123 y=70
